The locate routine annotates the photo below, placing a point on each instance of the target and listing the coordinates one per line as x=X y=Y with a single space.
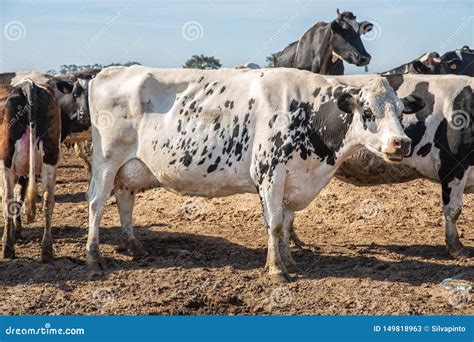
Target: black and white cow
x=71 y=93
x=460 y=62
x=75 y=117
x=30 y=128
x=457 y=62
x=323 y=48
x=428 y=63
x=442 y=147
x=281 y=133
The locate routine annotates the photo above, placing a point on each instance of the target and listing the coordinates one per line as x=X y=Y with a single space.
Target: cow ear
x=64 y=87
x=347 y=103
x=419 y=67
x=412 y=104
x=365 y=27
x=453 y=64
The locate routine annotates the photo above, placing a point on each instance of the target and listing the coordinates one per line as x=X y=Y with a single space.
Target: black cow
x=324 y=46
x=460 y=62
x=428 y=63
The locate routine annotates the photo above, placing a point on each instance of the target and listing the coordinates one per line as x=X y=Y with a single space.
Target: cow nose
x=364 y=60
x=402 y=146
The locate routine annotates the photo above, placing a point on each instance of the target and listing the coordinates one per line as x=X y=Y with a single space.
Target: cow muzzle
x=363 y=60
x=397 y=148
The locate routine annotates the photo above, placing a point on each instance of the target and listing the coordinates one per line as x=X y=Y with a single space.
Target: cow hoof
x=8 y=252
x=459 y=254
x=292 y=267
x=456 y=249
x=280 y=278
x=95 y=271
x=46 y=255
x=136 y=249
x=46 y=250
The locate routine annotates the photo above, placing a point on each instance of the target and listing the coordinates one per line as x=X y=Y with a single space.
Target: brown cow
x=30 y=130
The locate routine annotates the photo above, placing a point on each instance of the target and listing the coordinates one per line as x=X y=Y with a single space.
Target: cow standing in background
x=429 y=63
x=323 y=48
x=30 y=129
x=457 y=62
x=75 y=118
x=460 y=61
x=71 y=93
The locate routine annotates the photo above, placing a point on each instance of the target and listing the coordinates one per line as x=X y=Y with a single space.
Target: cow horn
x=338 y=14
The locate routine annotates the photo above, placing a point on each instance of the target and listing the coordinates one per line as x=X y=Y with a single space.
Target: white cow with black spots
x=281 y=133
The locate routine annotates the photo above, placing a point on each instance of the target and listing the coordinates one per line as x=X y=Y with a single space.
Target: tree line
x=195 y=62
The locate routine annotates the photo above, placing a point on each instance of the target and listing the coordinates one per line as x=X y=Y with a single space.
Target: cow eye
x=368 y=114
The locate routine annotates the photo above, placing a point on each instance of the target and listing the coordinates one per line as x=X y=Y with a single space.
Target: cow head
x=453 y=59
x=377 y=111
x=431 y=64
x=73 y=99
x=345 y=38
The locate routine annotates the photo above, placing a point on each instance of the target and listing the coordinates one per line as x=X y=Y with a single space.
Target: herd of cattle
x=281 y=132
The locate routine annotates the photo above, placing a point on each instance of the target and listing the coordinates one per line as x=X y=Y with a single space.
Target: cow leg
x=452 y=211
x=23 y=183
x=49 y=183
x=125 y=203
x=272 y=203
x=80 y=152
x=295 y=239
x=290 y=263
x=100 y=186
x=8 y=240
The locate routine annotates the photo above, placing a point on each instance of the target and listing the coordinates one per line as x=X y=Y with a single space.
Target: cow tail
x=30 y=90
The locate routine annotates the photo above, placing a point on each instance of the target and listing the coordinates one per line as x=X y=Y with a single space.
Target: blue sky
x=43 y=34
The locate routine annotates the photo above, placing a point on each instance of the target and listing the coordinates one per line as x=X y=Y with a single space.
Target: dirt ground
x=375 y=250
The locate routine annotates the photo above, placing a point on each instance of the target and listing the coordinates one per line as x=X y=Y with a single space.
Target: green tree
x=69 y=68
x=202 y=62
x=271 y=60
